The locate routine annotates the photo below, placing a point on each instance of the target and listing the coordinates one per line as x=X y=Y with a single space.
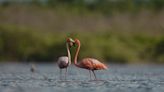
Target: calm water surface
x=119 y=78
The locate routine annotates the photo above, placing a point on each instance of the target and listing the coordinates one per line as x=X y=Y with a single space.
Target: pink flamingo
x=65 y=61
x=90 y=64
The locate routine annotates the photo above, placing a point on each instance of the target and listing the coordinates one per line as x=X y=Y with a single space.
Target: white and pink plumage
x=64 y=61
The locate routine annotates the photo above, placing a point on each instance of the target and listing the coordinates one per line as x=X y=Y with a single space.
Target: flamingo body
x=63 y=62
x=92 y=64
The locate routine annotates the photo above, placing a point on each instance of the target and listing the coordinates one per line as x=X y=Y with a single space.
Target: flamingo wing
x=92 y=64
x=62 y=61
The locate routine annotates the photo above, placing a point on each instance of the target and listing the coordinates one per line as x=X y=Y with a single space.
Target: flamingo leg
x=60 y=74
x=94 y=74
x=66 y=74
x=90 y=74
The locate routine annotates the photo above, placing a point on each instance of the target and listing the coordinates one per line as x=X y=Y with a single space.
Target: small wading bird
x=33 y=68
x=90 y=64
x=64 y=61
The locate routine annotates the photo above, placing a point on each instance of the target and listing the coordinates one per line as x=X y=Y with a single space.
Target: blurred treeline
x=105 y=6
x=116 y=31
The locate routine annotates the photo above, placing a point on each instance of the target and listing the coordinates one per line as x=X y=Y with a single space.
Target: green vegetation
x=25 y=44
x=108 y=6
x=102 y=6
x=122 y=31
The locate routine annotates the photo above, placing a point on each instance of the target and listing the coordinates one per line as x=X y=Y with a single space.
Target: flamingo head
x=70 y=42
x=77 y=41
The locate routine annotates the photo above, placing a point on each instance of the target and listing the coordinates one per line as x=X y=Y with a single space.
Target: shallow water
x=119 y=78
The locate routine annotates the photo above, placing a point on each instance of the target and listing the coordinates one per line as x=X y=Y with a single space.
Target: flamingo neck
x=69 y=55
x=76 y=55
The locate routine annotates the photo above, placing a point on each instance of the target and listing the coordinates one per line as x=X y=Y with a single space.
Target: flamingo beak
x=71 y=42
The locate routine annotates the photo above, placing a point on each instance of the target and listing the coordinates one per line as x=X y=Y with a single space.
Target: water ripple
x=125 y=79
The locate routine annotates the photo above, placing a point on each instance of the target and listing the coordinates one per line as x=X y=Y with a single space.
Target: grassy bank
x=29 y=45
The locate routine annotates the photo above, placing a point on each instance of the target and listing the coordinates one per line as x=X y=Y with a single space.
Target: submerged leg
x=90 y=74
x=60 y=74
x=94 y=74
x=66 y=74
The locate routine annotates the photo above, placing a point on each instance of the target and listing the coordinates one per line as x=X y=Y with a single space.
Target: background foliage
x=115 y=31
